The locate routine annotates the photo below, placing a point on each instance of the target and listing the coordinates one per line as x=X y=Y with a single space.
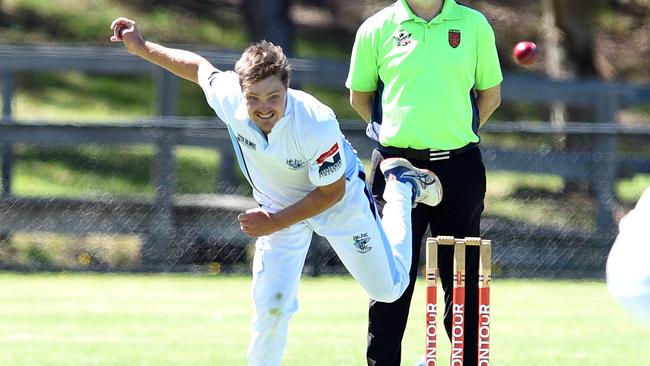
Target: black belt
x=425 y=154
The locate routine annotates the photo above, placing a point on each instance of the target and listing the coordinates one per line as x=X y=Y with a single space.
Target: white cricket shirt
x=305 y=149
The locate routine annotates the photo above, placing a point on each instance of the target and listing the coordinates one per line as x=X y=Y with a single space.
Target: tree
x=270 y=20
x=569 y=46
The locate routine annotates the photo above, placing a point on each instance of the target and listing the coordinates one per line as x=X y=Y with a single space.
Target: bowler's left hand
x=257 y=222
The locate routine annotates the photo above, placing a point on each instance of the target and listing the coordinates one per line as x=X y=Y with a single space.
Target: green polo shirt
x=425 y=73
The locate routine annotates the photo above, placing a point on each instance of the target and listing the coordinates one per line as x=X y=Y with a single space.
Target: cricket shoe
x=426 y=185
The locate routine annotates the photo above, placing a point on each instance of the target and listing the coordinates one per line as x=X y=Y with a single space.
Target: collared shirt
x=305 y=148
x=425 y=73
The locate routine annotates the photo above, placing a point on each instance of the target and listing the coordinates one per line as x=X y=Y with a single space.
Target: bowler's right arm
x=182 y=63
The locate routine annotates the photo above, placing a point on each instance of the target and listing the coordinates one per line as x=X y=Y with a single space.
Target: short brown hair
x=261 y=60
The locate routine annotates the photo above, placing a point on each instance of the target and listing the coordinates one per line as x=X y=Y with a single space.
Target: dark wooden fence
x=168 y=220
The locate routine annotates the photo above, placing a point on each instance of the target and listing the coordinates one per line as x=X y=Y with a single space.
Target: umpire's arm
x=487 y=101
x=362 y=103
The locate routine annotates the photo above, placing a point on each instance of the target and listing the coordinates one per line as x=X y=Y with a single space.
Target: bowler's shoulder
x=306 y=106
x=213 y=79
x=312 y=118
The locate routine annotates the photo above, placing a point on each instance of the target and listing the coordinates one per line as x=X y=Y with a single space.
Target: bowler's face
x=265 y=102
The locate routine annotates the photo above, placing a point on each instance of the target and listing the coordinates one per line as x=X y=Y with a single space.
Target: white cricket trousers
x=377 y=253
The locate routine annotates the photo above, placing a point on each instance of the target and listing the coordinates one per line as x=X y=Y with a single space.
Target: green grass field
x=89 y=319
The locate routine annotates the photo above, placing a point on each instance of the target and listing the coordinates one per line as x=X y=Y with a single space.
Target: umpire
x=425 y=74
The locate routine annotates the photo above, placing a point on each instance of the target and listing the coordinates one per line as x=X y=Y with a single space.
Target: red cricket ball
x=525 y=53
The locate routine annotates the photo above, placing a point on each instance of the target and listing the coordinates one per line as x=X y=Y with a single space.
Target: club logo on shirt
x=330 y=161
x=454 y=38
x=295 y=164
x=402 y=38
x=246 y=142
x=361 y=242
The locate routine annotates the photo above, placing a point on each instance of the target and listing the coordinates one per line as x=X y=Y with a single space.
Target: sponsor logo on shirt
x=295 y=164
x=402 y=38
x=361 y=242
x=330 y=161
x=454 y=38
x=246 y=142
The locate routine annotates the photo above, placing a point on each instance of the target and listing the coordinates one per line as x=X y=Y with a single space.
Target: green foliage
x=191 y=101
x=197 y=170
x=629 y=190
x=337 y=99
x=38 y=255
x=536 y=199
x=88 y=21
x=323 y=48
x=71 y=252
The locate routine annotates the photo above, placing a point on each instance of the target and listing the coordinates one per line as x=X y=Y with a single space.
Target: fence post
x=604 y=164
x=157 y=247
x=7 y=150
x=227 y=179
x=157 y=250
x=167 y=92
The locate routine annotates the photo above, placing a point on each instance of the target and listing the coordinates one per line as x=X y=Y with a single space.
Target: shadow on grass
x=134 y=165
x=117 y=91
x=527 y=193
x=576 y=200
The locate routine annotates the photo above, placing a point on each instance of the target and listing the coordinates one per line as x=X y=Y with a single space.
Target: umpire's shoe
x=426 y=185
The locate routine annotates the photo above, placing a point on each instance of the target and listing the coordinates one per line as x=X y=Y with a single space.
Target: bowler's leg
x=378 y=259
x=277 y=265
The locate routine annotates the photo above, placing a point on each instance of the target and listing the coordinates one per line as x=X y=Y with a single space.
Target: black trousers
x=463 y=182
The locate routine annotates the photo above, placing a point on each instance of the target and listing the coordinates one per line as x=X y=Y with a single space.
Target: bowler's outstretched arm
x=182 y=63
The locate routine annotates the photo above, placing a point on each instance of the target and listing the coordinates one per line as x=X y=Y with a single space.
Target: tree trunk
x=569 y=44
x=569 y=26
x=270 y=20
